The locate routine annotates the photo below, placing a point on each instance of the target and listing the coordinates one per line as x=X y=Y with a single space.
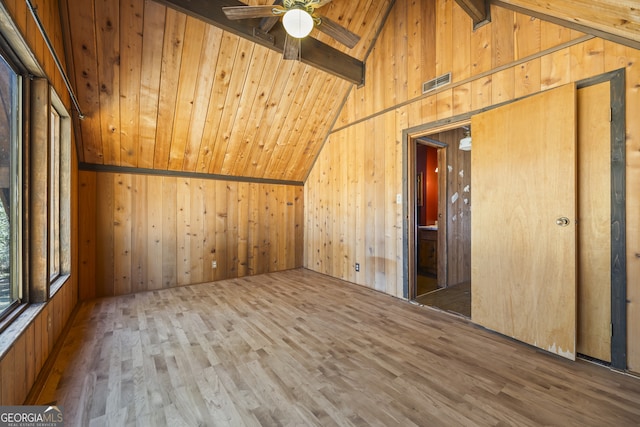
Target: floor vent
x=433 y=84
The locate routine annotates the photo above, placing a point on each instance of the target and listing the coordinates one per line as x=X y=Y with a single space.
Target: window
x=54 y=196
x=10 y=181
x=59 y=186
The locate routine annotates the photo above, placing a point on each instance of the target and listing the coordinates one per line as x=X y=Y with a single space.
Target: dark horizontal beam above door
x=312 y=52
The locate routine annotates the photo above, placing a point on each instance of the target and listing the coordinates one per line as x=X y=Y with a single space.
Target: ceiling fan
x=298 y=18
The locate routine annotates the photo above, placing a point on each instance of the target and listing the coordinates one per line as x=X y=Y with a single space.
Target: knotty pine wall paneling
x=27 y=343
x=513 y=56
x=139 y=240
x=171 y=55
x=122 y=239
x=31 y=345
x=151 y=63
x=86 y=229
x=147 y=232
x=108 y=42
x=153 y=233
x=612 y=16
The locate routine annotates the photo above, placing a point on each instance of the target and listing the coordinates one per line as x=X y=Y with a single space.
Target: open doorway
x=430 y=274
x=442 y=221
x=600 y=297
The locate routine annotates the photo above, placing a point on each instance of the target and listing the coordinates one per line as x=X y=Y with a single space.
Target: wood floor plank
x=301 y=348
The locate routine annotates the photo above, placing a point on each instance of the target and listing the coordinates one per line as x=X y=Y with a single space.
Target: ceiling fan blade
x=291 y=49
x=266 y=24
x=338 y=32
x=246 y=12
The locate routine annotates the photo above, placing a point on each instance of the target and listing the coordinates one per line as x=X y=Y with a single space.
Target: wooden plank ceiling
x=616 y=20
x=166 y=91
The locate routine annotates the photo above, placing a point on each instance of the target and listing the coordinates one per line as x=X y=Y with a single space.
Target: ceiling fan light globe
x=298 y=23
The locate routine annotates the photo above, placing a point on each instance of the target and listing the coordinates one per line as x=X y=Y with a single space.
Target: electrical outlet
x=357 y=266
x=214 y=264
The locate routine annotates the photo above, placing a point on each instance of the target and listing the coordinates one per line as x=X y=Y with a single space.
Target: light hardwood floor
x=298 y=348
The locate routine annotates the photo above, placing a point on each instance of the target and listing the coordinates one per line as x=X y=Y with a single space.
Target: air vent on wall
x=433 y=84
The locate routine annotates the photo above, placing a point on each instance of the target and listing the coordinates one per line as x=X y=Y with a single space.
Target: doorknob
x=562 y=221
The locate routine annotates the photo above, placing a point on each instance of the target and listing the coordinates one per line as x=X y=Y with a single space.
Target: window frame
x=63 y=186
x=16 y=168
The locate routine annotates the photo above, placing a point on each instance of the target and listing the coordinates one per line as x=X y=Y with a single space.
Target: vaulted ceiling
x=162 y=89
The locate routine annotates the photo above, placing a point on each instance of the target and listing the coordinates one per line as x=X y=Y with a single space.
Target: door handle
x=563 y=221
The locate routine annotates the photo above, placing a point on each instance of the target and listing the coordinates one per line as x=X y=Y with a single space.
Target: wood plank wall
x=28 y=342
x=23 y=361
x=145 y=232
x=358 y=174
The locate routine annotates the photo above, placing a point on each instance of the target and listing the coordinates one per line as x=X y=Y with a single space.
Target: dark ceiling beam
x=478 y=10
x=312 y=52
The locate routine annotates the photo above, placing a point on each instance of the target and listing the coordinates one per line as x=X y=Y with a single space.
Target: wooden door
x=594 y=225
x=523 y=175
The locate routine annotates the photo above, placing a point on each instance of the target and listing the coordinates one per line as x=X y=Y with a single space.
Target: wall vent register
x=434 y=84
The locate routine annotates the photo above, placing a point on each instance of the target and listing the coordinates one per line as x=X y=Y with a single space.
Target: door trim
x=616 y=81
x=409 y=209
